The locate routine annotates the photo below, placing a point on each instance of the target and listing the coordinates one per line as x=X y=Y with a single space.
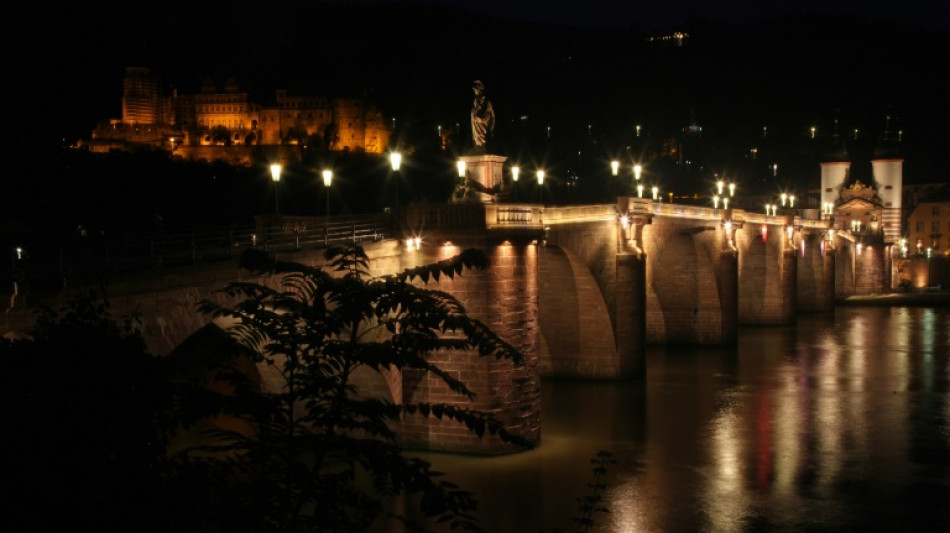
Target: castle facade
x=226 y=116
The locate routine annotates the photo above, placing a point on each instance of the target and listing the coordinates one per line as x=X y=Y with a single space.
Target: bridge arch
x=767 y=274
x=686 y=282
x=577 y=336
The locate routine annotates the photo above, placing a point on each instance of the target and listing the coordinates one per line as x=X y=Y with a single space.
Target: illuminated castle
x=228 y=117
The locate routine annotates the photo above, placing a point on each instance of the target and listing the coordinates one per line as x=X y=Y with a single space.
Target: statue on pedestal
x=483 y=118
x=480 y=180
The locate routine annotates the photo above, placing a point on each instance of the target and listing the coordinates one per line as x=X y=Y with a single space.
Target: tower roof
x=889 y=144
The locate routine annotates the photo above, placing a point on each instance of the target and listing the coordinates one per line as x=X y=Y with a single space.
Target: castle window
x=920 y=226
x=935 y=227
x=935 y=211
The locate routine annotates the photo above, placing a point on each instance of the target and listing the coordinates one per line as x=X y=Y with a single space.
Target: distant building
x=228 y=117
x=928 y=225
x=677 y=39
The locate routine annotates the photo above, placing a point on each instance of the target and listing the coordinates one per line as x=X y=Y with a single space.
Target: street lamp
x=656 y=192
x=275 y=176
x=639 y=190
x=637 y=170
x=327 y=179
x=732 y=189
x=460 y=165
x=614 y=167
x=791 y=200
x=719 y=185
x=395 y=160
x=716 y=202
x=784 y=199
x=515 y=171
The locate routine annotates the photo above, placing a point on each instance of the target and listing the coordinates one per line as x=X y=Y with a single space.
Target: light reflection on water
x=839 y=423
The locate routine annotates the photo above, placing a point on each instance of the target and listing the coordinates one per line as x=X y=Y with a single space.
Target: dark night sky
x=654 y=16
x=566 y=64
x=63 y=64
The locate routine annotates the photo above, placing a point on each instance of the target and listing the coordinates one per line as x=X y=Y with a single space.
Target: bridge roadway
x=581 y=290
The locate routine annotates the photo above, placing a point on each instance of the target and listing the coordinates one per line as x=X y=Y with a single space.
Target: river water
x=839 y=423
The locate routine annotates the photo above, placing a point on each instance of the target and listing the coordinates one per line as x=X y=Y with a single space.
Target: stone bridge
x=581 y=290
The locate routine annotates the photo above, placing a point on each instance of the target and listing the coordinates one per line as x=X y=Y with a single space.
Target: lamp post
x=515 y=171
x=540 y=175
x=395 y=161
x=732 y=189
x=327 y=179
x=637 y=170
x=614 y=167
x=460 y=165
x=656 y=192
x=929 y=251
x=275 y=176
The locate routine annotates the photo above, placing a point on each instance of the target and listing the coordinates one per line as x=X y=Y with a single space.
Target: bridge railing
x=579 y=213
x=84 y=254
x=474 y=216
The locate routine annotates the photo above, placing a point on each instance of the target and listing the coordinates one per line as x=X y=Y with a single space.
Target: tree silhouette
x=322 y=456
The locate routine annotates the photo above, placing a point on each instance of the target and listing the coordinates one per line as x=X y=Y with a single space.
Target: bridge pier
x=767 y=271
x=816 y=274
x=505 y=298
x=631 y=314
x=691 y=279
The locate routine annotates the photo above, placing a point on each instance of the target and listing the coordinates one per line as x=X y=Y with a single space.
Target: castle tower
x=888 y=170
x=140 y=101
x=835 y=167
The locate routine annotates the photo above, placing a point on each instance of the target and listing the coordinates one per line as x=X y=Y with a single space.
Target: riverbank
x=920 y=299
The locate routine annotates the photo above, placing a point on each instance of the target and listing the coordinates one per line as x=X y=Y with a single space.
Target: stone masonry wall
x=816 y=275
x=767 y=276
x=505 y=298
x=577 y=339
x=684 y=292
x=870 y=271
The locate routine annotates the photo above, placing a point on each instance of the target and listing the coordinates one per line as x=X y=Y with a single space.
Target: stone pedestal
x=484 y=178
